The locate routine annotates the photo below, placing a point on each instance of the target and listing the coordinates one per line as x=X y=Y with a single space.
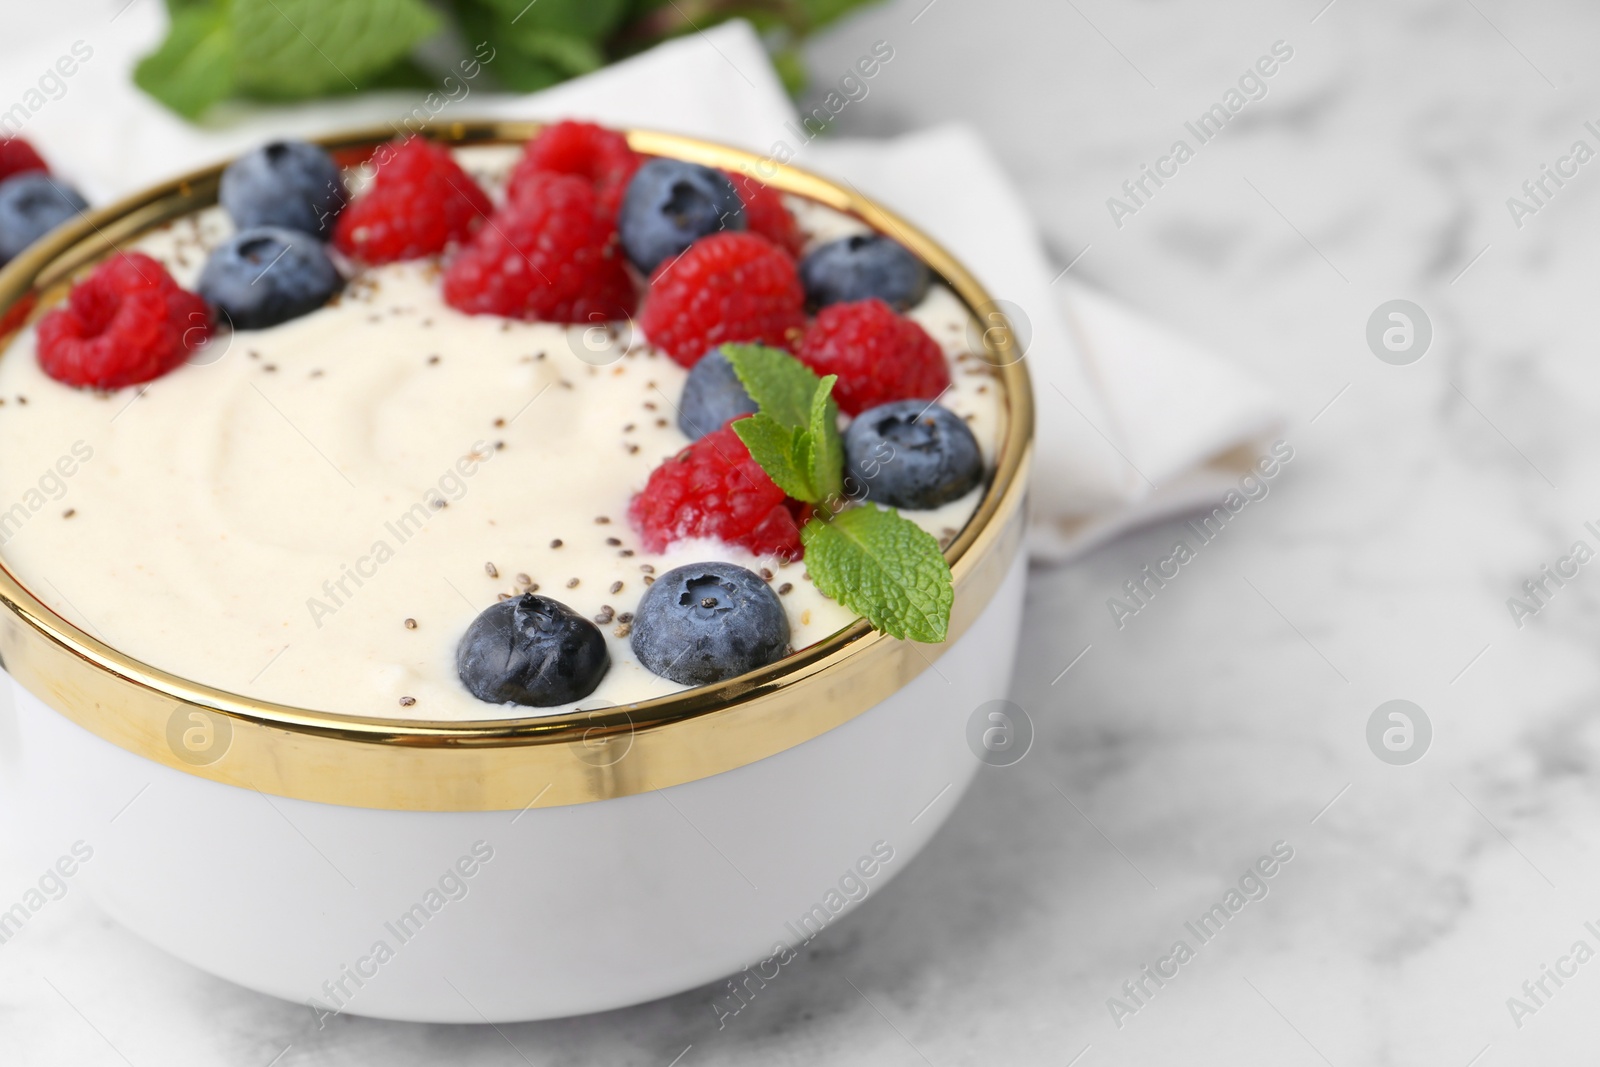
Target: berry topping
x=711 y=396
x=709 y=621
x=420 y=201
x=265 y=275
x=291 y=184
x=727 y=287
x=127 y=322
x=669 y=204
x=550 y=255
x=878 y=355
x=31 y=205
x=17 y=157
x=531 y=650
x=598 y=155
x=714 y=489
x=863 y=266
x=911 y=454
x=765 y=214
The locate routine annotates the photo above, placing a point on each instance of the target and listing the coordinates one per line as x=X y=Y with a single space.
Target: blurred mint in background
x=280 y=50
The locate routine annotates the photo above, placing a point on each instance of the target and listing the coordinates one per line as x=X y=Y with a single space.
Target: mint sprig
x=875 y=562
x=300 y=49
x=884 y=567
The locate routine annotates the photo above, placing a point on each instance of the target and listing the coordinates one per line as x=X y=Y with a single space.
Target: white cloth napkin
x=1134 y=422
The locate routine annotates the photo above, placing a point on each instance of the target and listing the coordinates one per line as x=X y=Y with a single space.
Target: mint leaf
x=784 y=452
x=193 y=68
x=827 y=447
x=780 y=385
x=883 y=567
x=294 y=49
x=801 y=450
x=568 y=54
x=593 y=20
x=300 y=48
x=484 y=25
x=542 y=43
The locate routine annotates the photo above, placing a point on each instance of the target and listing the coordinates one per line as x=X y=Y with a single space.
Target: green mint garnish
x=193 y=68
x=781 y=385
x=784 y=452
x=281 y=49
x=827 y=447
x=885 y=568
x=795 y=434
x=872 y=560
x=295 y=49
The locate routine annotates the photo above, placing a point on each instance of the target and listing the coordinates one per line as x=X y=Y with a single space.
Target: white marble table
x=1231 y=713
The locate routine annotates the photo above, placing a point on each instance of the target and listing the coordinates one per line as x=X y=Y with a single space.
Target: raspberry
x=549 y=256
x=878 y=355
x=714 y=489
x=17 y=156
x=127 y=322
x=598 y=155
x=420 y=201
x=726 y=287
x=765 y=214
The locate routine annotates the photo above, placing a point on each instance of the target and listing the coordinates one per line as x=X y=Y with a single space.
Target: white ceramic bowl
x=521 y=869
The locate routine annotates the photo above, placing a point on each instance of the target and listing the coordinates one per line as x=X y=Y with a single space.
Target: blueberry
x=712 y=395
x=284 y=183
x=670 y=203
x=911 y=454
x=863 y=266
x=531 y=650
x=31 y=205
x=264 y=276
x=709 y=621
